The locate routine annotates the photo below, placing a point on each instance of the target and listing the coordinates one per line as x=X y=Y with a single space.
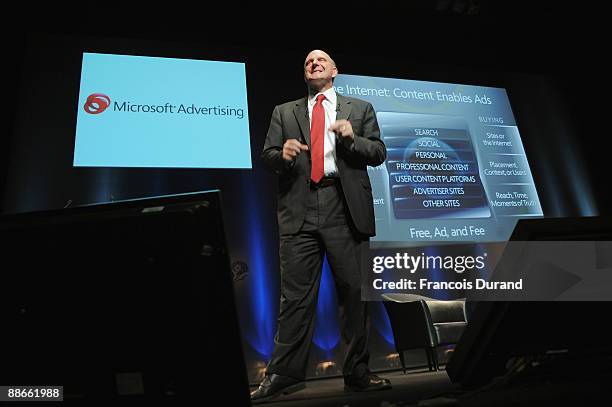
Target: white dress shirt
x=329 y=148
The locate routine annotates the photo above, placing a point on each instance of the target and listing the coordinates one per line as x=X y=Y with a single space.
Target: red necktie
x=317 y=135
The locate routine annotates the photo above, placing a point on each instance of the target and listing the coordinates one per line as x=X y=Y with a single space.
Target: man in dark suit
x=320 y=147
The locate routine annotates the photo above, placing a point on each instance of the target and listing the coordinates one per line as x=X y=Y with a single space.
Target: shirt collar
x=330 y=95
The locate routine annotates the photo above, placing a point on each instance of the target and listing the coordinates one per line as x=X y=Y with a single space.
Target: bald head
x=316 y=52
x=319 y=70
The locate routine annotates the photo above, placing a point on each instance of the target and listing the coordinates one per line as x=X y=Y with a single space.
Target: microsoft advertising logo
x=96 y=103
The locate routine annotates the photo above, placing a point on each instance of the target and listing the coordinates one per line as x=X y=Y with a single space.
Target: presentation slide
x=137 y=111
x=456 y=169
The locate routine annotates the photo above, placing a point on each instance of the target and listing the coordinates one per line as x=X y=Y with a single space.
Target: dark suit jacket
x=290 y=120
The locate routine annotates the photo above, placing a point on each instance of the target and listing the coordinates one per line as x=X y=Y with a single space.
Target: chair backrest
x=447 y=311
x=411 y=323
x=419 y=321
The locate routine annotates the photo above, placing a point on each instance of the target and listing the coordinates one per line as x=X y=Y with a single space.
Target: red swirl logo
x=96 y=103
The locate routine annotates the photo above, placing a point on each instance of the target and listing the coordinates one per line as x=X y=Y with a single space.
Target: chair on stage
x=424 y=323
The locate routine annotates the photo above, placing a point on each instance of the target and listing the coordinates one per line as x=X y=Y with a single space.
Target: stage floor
x=421 y=388
x=407 y=389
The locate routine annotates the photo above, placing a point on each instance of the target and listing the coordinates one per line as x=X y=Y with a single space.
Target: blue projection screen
x=456 y=169
x=137 y=111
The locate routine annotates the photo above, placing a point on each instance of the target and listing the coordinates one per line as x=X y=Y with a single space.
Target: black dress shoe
x=273 y=386
x=369 y=382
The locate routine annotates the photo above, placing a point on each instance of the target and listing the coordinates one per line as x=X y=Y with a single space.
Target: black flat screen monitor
x=125 y=299
x=498 y=331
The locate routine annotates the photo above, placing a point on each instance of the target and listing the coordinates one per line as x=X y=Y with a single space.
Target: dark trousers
x=326 y=231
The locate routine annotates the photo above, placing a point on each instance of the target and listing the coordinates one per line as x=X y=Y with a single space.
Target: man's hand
x=343 y=128
x=292 y=148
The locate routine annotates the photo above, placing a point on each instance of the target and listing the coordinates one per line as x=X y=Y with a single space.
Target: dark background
x=548 y=58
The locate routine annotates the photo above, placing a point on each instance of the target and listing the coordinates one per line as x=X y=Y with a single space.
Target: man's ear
x=334 y=72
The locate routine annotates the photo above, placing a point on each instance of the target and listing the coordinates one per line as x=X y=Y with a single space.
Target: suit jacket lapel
x=343 y=109
x=300 y=110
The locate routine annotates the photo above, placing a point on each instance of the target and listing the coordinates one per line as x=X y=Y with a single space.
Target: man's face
x=319 y=68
